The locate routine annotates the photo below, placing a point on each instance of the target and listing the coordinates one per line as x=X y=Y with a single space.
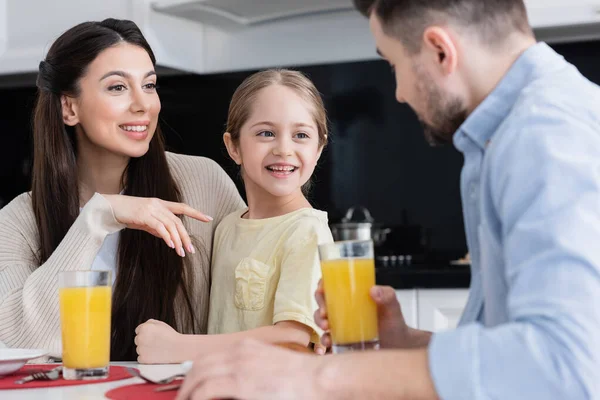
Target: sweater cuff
x=99 y=217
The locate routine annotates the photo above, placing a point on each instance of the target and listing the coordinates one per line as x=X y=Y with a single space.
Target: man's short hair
x=493 y=20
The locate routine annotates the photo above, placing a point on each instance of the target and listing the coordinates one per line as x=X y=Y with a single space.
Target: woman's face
x=117 y=108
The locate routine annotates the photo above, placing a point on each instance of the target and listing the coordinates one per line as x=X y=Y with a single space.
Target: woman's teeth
x=134 y=128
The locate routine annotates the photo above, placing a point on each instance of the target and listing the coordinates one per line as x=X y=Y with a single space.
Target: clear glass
x=85 y=306
x=348 y=275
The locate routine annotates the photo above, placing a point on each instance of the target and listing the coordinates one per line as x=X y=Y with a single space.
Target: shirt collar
x=483 y=122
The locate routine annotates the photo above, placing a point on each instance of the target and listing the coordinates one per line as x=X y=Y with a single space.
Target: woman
x=97 y=144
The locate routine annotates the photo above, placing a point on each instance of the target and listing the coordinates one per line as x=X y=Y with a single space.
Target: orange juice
x=85 y=322
x=351 y=311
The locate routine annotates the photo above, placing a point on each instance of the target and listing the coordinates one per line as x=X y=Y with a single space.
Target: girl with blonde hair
x=265 y=260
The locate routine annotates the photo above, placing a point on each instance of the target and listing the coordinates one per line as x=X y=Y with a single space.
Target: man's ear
x=69 y=110
x=440 y=45
x=232 y=149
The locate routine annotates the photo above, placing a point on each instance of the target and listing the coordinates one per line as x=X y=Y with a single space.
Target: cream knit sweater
x=29 y=312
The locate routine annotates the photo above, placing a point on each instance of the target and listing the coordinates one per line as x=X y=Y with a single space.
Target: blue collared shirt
x=530 y=189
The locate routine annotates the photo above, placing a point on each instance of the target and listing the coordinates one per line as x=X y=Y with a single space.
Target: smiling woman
x=99 y=167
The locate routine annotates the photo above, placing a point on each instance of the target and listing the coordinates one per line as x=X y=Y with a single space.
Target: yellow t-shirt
x=266 y=271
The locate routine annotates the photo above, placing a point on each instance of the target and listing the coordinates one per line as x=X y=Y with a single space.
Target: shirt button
x=473 y=191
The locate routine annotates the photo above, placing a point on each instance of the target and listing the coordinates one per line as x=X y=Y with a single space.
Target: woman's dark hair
x=152 y=280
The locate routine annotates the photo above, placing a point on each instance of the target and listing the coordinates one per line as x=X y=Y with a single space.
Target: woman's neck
x=99 y=171
x=262 y=204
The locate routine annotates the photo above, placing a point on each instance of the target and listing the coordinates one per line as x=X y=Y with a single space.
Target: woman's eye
x=266 y=134
x=151 y=86
x=117 y=88
x=302 y=135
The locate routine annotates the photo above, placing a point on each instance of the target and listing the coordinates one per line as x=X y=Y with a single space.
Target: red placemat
x=115 y=373
x=141 y=391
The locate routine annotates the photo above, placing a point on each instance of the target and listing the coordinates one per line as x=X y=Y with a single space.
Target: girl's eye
x=302 y=135
x=151 y=86
x=266 y=134
x=117 y=88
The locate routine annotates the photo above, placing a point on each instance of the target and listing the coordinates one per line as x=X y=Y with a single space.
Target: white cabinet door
x=440 y=309
x=408 y=301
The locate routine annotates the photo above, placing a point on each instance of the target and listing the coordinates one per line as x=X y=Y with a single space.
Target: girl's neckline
x=244 y=211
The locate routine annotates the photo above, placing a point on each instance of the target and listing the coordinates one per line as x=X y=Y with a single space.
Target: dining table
x=94 y=390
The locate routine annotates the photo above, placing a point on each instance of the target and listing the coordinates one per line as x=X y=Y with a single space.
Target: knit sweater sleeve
x=29 y=307
x=206 y=186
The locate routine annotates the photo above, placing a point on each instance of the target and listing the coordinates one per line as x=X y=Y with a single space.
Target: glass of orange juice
x=348 y=275
x=85 y=304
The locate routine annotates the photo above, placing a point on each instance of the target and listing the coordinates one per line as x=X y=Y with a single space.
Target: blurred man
x=528 y=124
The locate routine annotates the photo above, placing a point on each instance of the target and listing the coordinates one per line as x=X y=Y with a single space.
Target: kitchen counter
x=428 y=276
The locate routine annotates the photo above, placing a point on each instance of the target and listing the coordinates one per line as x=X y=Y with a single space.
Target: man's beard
x=446 y=113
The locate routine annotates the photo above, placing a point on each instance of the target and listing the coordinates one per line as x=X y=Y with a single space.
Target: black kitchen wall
x=377 y=156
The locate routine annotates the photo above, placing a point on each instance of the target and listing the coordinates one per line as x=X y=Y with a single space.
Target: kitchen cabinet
x=408 y=301
x=432 y=309
x=440 y=309
x=28 y=28
x=254 y=34
x=208 y=36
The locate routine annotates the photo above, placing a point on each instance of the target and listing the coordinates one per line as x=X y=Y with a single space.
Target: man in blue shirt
x=528 y=124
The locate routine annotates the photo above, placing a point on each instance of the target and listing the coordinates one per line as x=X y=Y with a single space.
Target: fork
x=168 y=388
x=51 y=375
x=136 y=373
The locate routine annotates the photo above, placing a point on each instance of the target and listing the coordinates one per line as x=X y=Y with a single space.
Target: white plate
x=13 y=359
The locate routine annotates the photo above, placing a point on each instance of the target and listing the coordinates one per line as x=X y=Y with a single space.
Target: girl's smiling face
x=278 y=146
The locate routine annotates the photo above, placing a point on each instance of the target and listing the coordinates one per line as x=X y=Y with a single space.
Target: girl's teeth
x=134 y=128
x=282 y=169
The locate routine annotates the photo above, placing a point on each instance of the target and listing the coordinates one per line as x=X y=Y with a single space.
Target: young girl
x=265 y=261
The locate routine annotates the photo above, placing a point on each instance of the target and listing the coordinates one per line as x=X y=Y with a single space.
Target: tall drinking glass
x=85 y=304
x=348 y=275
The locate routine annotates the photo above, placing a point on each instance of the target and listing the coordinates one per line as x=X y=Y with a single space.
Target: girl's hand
x=157 y=343
x=319 y=349
x=157 y=217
